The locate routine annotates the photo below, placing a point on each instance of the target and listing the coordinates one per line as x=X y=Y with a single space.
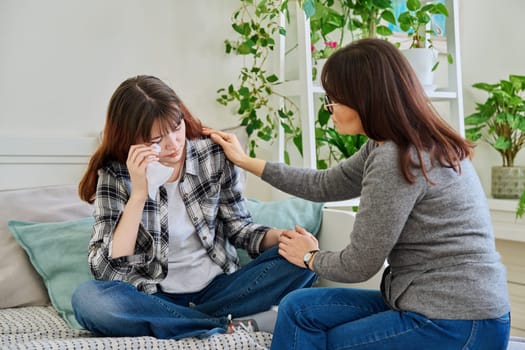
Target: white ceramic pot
x=422 y=60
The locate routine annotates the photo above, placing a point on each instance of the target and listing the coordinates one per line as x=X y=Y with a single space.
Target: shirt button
x=194 y=218
x=204 y=238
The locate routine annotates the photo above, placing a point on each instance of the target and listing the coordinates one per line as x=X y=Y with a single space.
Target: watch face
x=307 y=257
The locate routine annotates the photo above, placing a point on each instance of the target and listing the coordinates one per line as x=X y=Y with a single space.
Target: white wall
x=60 y=60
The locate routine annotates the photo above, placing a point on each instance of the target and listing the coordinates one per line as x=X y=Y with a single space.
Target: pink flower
x=332 y=44
x=312 y=48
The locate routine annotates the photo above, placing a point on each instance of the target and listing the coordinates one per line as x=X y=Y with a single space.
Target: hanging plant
x=255 y=96
x=257 y=24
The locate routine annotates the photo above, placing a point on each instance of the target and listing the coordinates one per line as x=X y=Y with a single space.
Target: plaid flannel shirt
x=211 y=191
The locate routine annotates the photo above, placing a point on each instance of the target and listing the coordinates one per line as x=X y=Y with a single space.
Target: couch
x=43 y=246
x=44 y=232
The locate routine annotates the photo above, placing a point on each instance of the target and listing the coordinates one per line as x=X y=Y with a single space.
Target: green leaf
x=246 y=47
x=485 y=86
x=520 y=210
x=388 y=16
x=413 y=5
x=244 y=91
x=243 y=28
x=441 y=9
x=323 y=116
x=521 y=124
x=423 y=17
x=476 y=119
x=473 y=134
x=287 y=129
x=287 y=157
x=382 y=4
x=272 y=78
x=322 y=164
x=309 y=8
x=502 y=143
x=383 y=30
x=298 y=142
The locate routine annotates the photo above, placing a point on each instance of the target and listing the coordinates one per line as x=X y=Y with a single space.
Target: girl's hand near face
x=139 y=157
x=125 y=234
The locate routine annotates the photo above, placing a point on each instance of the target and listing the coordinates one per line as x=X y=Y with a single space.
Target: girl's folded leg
x=115 y=308
x=254 y=288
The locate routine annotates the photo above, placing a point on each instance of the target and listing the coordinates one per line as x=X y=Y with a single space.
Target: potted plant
x=500 y=121
x=422 y=55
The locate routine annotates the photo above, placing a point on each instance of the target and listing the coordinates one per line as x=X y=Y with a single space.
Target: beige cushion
x=20 y=285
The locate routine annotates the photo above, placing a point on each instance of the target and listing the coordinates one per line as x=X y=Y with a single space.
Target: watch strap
x=308 y=261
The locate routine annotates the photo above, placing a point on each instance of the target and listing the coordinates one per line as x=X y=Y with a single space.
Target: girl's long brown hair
x=133 y=108
x=374 y=78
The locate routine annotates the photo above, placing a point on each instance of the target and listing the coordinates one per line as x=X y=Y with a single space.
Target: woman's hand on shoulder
x=235 y=152
x=229 y=143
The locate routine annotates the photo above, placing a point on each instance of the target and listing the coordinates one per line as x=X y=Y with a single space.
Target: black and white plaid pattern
x=211 y=191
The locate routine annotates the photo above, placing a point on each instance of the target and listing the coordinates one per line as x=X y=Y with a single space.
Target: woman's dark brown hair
x=374 y=78
x=134 y=106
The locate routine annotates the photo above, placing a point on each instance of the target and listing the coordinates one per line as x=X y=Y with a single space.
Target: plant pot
x=422 y=60
x=507 y=182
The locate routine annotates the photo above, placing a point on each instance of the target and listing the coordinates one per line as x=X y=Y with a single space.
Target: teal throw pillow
x=284 y=213
x=58 y=252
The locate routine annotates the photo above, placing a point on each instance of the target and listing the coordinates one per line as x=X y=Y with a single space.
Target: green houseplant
x=500 y=121
x=416 y=22
x=256 y=25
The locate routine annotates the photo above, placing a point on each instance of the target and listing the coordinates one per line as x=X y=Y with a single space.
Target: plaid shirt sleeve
x=110 y=200
x=237 y=222
x=213 y=197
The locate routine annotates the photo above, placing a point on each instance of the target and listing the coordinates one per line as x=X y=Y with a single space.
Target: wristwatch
x=308 y=256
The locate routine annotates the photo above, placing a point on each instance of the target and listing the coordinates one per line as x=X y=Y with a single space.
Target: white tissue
x=156 y=147
x=157 y=175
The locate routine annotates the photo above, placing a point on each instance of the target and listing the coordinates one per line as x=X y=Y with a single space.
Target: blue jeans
x=344 y=318
x=115 y=308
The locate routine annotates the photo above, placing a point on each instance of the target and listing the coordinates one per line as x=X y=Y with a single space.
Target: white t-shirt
x=190 y=269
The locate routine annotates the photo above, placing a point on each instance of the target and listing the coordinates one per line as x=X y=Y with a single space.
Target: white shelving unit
x=306 y=90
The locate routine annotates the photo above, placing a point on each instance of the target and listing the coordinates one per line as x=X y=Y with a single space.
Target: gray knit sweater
x=437 y=239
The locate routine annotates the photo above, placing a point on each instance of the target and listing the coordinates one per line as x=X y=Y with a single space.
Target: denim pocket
x=503 y=319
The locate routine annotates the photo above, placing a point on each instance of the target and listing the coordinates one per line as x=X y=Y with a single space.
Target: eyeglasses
x=328 y=105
